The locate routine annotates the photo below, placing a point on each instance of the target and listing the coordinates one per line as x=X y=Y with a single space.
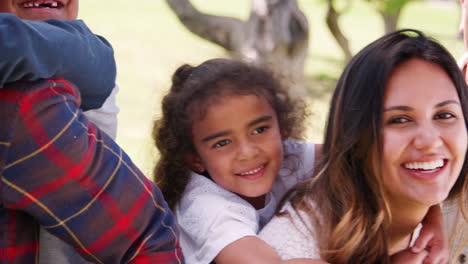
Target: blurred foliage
x=391 y=7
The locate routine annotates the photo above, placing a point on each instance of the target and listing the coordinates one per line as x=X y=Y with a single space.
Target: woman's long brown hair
x=346 y=199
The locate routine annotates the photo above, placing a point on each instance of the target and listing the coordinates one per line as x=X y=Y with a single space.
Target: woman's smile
x=426 y=170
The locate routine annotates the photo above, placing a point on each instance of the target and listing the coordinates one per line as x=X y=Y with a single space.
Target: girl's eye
x=398 y=120
x=260 y=130
x=444 y=116
x=221 y=143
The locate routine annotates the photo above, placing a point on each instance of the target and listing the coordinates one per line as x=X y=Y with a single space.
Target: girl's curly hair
x=193 y=90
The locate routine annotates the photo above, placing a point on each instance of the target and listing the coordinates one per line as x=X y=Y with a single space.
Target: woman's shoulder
x=291 y=234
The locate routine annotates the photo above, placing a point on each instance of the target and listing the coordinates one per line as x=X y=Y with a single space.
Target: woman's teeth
x=431 y=165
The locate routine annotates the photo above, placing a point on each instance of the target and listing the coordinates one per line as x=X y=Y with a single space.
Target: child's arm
x=303 y=261
x=433 y=237
x=33 y=50
x=247 y=250
x=409 y=257
x=254 y=250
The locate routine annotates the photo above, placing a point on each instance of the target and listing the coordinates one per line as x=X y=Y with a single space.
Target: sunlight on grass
x=150 y=43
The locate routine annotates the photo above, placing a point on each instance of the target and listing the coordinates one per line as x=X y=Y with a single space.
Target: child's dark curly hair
x=193 y=89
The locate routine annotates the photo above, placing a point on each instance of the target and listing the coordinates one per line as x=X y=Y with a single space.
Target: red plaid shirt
x=57 y=170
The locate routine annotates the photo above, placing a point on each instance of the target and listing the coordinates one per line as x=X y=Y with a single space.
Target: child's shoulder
x=298 y=147
x=205 y=205
x=202 y=193
x=297 y=166
x=202 y=186
x=299 y=157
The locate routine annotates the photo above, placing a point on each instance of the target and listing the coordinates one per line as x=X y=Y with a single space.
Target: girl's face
x=424 y=135
x=239 y=143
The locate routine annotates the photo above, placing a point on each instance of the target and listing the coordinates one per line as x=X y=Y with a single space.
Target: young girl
x=386 y=161
x=225 y=161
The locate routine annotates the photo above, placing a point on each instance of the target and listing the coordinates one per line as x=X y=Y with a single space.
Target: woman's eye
x=260 y=130
x=444 y=115
x=221 y=143
x=398 y=120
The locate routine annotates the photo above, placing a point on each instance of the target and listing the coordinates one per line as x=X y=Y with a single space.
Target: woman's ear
x=195 y=163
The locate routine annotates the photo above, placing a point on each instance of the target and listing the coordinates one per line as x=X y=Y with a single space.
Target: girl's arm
x=254 y=250
x=303 y=261
x=247 y=250
x=409 y=257
x=34 y=50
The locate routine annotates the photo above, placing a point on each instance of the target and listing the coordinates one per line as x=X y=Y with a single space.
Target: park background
x=150 y=43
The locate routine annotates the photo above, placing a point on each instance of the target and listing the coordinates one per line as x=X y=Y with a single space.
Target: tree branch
x=225 y=31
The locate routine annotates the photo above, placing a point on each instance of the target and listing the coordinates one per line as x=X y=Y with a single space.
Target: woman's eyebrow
x=407 y=108
x=447 y=102
x=399 y=107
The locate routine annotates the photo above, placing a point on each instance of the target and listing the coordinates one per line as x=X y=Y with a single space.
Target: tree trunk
x=390 y=11
x=333 y=25
x=390 y=21
x=275 y=36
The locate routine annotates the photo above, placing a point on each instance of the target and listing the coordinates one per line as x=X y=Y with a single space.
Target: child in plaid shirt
x=41 y=123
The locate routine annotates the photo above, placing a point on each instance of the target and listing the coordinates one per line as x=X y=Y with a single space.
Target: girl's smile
x=253 y=174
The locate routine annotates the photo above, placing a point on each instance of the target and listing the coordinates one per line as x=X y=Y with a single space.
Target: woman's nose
x=427 y=138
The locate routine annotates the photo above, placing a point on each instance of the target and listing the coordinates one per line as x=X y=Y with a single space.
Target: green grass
x=150 y=43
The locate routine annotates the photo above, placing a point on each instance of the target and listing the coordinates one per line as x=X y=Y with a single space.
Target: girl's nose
x=248 y=150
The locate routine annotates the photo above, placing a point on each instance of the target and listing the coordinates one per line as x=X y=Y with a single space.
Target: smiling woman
x=41 y=9
x=386 y=160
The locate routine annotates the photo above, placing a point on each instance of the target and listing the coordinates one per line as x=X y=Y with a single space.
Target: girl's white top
x=210 y=217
